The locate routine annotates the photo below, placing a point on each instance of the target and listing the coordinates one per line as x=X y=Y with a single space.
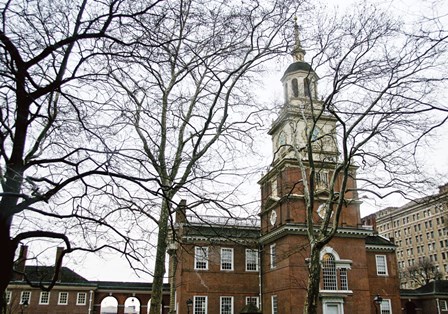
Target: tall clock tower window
x=307 y=87
x=295 y=87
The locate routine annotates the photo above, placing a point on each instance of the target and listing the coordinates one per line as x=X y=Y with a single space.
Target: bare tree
x=48 y=147
x=380 y=79
x=191 y=109
x=422 y=273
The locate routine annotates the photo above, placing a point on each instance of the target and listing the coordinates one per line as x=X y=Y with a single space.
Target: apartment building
x=420 y=230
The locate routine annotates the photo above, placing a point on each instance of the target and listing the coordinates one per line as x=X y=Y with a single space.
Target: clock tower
x=304 y=142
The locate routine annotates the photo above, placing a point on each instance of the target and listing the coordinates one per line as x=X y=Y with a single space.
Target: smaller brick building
x=73 y=294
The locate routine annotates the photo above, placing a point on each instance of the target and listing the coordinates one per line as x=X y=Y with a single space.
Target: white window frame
x=78 y=297
x=25 y=295
x=443 y=305
x=227 y=260
x=43 y=295
x=273 y=256
x=251 y=260
x=196 y=303
x=274 y=304
x=221 y=305
x=339 y=303
x=8 y=295
x=385 y=307
x=201 y=256
x=252 y=299
x=381 y=262
x=60 y=298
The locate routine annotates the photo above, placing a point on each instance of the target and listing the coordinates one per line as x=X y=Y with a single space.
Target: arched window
x=307 y=87
x=334 y=270
x=295 y=87
x=329 y=272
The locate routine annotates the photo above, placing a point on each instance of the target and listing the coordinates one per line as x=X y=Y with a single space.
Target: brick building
x=220 y=265
x=420 y=231
x=73 y=294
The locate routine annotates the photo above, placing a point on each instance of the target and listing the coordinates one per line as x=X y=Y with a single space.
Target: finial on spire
x=298 y=53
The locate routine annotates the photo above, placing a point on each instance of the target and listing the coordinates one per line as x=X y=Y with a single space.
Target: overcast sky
x=115 y=268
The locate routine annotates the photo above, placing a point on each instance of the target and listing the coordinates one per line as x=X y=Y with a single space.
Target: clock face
x=321 y=210
x=273 y=217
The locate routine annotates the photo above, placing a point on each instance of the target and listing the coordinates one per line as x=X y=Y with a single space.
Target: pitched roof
x=436 y=287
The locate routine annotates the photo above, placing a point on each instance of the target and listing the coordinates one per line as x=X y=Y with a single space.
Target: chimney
x=20 y=263
x=59 y=251
x=181 y=212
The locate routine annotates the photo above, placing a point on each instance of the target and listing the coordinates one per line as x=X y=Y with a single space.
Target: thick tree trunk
x=314 y=267
x=8 y=250
x=159 y=268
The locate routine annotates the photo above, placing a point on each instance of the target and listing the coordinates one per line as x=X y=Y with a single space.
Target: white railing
x=224 y=221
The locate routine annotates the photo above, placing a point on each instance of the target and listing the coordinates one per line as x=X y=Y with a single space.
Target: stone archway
x=109 y=305
x=132 y=305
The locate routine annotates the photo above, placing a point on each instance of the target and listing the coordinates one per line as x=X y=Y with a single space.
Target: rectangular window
x=200 y=305
x=25 y=297
x=81 y=299
x=343 y=278
x=63 y=298
x=443 y=305
x=385 y=307
x=381 y=265
x=226 y=259
x=273 y=256
x=200 y=257
x=8 y=297
x=251 y=260
x=321 y=179
x=274 y=303
x=44 y=297
x=226 y=305
x=253 y=300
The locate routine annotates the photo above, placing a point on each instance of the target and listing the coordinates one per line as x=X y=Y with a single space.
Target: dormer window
x=295 y=87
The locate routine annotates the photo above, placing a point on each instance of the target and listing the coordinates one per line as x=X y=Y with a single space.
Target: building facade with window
x=420 y=231
x=73 y=294
x=220 y=264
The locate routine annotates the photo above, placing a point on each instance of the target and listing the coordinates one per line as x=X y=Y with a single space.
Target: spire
x=298 y=53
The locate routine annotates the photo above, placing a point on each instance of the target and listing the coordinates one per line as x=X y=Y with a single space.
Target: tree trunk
x=159 y=268
x=8 y=249
x=314 y=268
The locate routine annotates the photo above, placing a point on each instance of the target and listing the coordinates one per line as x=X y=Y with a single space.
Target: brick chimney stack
x=59 y=251
x=20 y=263
x=181 y=212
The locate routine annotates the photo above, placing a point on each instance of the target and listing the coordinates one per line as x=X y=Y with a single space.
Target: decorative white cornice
x=302 y=230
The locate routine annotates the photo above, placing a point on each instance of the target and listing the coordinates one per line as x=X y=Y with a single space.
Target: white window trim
x=232 y=258
x=206 y=302
x=384 y=302
x=273 y=256
x=59 y=298
x=21 y=296
x=385 y=265
x=333 y=301
x=196 y=260
x=257 y=300
x=231 y=303
x=274 y=298
x=443 y=305
x=85 y=298
x=48 y=298
x=8 y=296
x=255 y=252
